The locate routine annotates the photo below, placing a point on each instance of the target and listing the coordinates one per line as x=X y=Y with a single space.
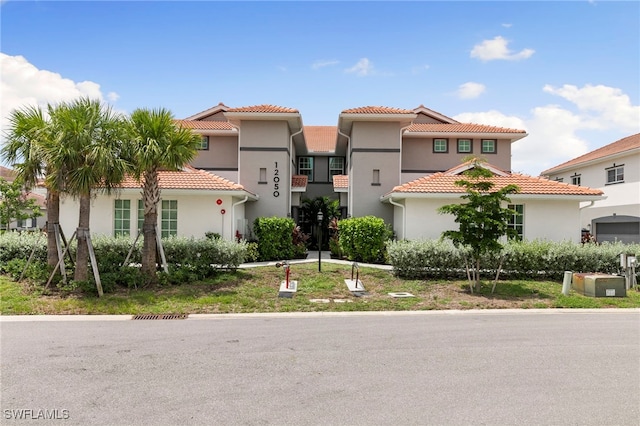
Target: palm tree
x=87 y=148
x=156 y=143
x=28 y=131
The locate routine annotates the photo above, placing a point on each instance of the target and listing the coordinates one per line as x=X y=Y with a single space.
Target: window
x=516 y=221
x=305 y=167
x=27 y=223
x=169 y=218
x=122 y=218
x=575 y=180
x=464 y=145
x=615 y=174
x=336 y=167
x=140 y=215
x=376 y=177
x=204 y=144
x=559 y=179
x=441 y=145
x=488 y=146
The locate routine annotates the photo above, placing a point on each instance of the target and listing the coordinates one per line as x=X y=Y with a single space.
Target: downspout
x=402 y=129
x=233 y=216
x=404 y=214
x=291 y=166
x=349 y=191
x=239 y=158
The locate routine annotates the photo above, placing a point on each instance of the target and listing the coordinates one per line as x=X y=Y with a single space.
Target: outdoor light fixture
x=320 y=217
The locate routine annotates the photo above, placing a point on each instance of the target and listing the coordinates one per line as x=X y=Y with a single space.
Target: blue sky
x=567 y=72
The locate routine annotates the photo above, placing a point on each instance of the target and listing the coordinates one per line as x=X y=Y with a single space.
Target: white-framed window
x=122 y=218
x=305 y=167
x=615 y=174
x=488 y=146
x=464 y=146
x=169 y=218
x=516 y=221
x=140 y=215
x=204 y=144
x=576 y=180
x=441 y=145
x=336 y=167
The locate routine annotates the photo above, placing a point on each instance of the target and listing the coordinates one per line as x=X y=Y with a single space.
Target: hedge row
x=112 y=252
x=530 y=259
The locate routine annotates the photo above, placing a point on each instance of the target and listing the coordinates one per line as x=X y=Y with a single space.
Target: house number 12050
x=276 y=181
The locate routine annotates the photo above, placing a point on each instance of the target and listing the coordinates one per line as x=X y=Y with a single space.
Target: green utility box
x=599 y=285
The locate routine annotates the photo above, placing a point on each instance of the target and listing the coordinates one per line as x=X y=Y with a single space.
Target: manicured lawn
x=256 y=290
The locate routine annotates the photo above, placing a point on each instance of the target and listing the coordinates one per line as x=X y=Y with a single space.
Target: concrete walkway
x=313 y=258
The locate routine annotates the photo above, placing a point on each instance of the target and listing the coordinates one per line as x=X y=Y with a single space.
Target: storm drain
x=160 y=316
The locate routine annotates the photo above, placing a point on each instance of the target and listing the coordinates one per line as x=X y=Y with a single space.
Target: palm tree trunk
x=82 y=255
x=151 y=198
x=53 y=219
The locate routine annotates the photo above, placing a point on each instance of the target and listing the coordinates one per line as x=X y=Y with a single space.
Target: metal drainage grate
x=159 y=316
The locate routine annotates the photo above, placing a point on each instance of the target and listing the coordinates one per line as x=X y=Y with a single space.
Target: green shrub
x=523 y=259
x=19 y=245
x=363 y=239
x=275 y=241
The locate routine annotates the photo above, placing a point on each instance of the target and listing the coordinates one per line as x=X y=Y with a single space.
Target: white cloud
x=497 y=48
x=324 y=63
x=113 y=96
x=507 y=25
x=22 y=84
x=553 y=130
x=470 y=90
x=364 y=67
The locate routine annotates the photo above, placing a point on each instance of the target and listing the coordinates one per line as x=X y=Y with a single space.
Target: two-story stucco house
x=29 y=224
x=270 y=162
x=615 y=169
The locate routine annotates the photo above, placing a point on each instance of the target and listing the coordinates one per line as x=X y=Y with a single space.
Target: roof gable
x=426 y=115
x=208 y=113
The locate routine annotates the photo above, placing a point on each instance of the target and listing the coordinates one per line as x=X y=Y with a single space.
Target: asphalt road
x=436 y=368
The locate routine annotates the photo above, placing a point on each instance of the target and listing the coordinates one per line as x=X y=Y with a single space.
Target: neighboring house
x=545 y=209
x=615 y=169
x=193 y=203
x=38 y=195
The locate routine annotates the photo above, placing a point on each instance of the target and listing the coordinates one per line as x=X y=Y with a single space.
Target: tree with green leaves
x=28 y=131
x=155 y=142
x=483 y=219
x=87 y=153
x=310 y=207
x=15 y=203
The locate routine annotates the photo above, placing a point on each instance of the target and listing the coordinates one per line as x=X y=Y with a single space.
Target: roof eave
x=560 y=169
x=513 y=136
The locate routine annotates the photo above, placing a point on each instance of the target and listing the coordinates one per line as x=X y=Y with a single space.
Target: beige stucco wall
x=418 y=156
x=374 y=138
x=265 y=144
x=222 y=154
x=198 y=213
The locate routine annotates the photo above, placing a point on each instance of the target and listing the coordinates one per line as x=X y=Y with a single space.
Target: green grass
x=256 y=290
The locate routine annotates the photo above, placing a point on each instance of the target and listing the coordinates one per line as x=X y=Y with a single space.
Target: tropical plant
x=483 y=219
x=15 y=203
x=310 y=207
x=155 y=143
x=87 y=153
x=27 y=132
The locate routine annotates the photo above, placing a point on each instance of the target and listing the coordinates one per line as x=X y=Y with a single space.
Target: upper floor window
x=441 y=145
x=336 y=167
x=305 y=167
x=559 y=179
x=488 y=146
x=576 y=180
x=464 y=145
x=615 y=174
x=204 y=144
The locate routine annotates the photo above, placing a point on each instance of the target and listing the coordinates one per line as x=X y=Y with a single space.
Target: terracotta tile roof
x=423 y=109
x=7 y=174
x=460 y=128
x=189 y=178
x=377 y=110
x=340 y=181
x=617 y=147
x=205 y=124
x=443 y=183
x=321 y=138
x=299 y=181
x=41 y=200
x=264 y=109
